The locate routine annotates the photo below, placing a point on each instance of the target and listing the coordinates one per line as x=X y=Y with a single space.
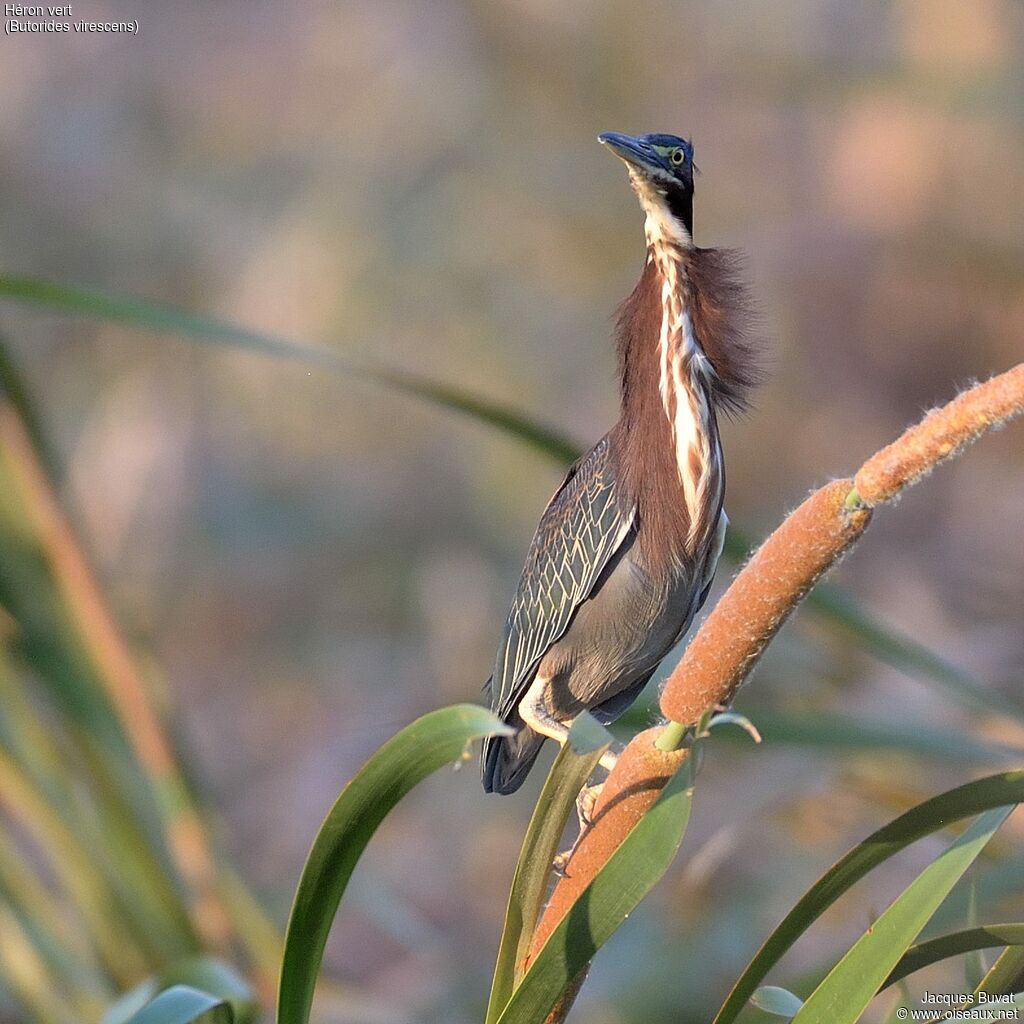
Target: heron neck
x=671 y=456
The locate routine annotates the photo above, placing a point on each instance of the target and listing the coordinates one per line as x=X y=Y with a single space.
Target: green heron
x=626 y=550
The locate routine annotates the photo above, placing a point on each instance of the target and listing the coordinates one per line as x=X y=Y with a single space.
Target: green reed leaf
x=184 y=1005
x=429 y=743
x=848 y=988
x=615 y=891
x=155 y=316
x=930 y=816
x=575 y=763
x=924 y=954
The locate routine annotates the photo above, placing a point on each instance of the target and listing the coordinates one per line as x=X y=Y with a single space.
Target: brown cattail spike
x=940 y=436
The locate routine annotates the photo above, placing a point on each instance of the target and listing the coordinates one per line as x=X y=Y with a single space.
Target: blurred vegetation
x=164 y=879
x=299 y=566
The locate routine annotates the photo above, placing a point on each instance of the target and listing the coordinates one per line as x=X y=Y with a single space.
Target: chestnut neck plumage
x=670 y=455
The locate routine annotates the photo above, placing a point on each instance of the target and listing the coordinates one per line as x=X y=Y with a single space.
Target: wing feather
x=582 y=527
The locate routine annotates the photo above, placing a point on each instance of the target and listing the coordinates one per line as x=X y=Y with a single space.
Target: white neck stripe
x=683 y=389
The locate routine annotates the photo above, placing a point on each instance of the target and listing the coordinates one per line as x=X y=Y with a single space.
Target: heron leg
x=535 y=711
x=585 y=804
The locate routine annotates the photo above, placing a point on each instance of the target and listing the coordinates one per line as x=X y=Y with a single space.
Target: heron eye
x=677 y=157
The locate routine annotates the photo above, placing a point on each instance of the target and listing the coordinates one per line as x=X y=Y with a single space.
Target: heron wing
x=581 y=528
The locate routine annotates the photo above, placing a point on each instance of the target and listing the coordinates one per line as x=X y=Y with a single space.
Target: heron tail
x=506 y=760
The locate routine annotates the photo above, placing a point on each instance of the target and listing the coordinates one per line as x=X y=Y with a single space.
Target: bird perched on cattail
x=626 y=550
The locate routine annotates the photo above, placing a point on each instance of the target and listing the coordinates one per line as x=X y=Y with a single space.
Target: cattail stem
x=671 y=736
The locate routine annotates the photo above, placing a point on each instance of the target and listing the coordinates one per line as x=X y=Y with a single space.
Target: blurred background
x=303 y=562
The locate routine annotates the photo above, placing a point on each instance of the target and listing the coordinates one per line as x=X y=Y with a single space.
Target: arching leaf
x=932 y=815
x=575 y=763
x=184 y=1005
x=615 y=891
x=429 y=743
x=848 y=988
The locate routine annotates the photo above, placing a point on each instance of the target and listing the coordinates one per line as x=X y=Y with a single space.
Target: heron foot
x=560 y=865
x=586 y=803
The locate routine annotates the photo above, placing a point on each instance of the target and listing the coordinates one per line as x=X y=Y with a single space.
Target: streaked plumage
x=581 y=529
x=626 y=549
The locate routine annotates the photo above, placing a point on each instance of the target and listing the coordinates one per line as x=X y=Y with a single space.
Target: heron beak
x=632 y=151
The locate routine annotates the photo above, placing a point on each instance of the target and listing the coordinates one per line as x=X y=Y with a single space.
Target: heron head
x=661 y=171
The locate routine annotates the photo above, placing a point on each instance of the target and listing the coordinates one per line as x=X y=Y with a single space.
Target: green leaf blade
x=779 y=1002
x=575 y=763
x=854 y=981
x=629 y=874
x=185 y=1005
x=165 y=318
x=207 y=975
x=943 y=947
x=1006 y=975
x=907 y=655
x=429 y=743
x=932 y=815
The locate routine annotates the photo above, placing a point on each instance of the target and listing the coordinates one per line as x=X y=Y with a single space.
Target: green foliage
x=836 y=733
x=779 y=1002
x=86 y=821
x=928 y=817
x=154 y=316
x=906 y=655
x=185 y=1005
x=206 y=985
x=1006 y=975
x=853 y=982
x=575 y=763
x=615 y=891
x=429 y=743
x=931 y=952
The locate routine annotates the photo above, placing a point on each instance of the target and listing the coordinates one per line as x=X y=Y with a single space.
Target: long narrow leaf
x=16 y=391
x=924 y=954
x=24 y=973
x=930 y=816
x=57 y=936
x=217 y=978
x=436 y=739
x=907 y=655
x=575 y=763
x=841 y=609
x=210 y=977
x=155 y=316
x=629 y=874
x=974 y=964
x=834 y=732
x=1005 y=976
x=853 y=982
x=78 y=875
x=184 y=1005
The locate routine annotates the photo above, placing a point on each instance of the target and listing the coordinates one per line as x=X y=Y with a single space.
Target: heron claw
x=586 y=803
